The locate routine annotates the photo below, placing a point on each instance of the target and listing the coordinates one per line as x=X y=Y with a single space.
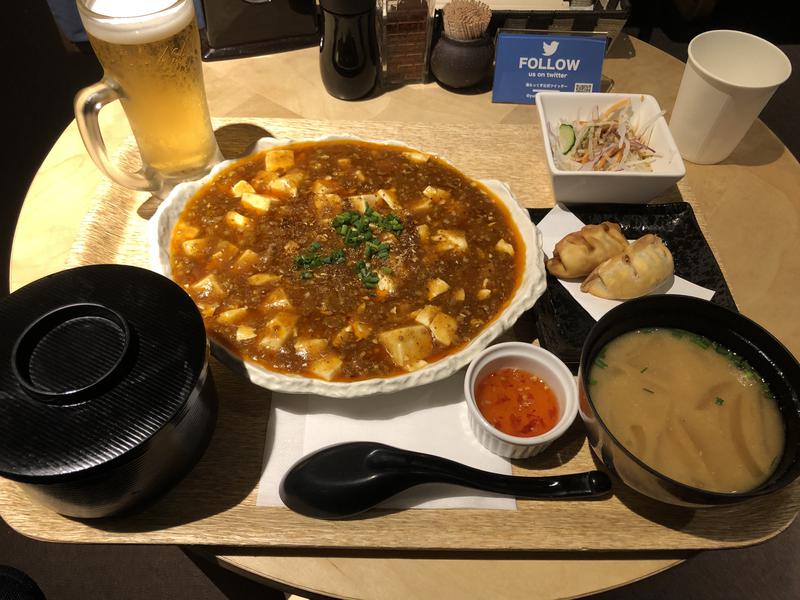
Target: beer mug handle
x=88 y=103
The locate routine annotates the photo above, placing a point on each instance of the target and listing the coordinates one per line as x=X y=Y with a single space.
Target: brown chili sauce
x=345 y=260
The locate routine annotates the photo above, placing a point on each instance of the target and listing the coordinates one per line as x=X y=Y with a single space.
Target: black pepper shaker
x=348 y=59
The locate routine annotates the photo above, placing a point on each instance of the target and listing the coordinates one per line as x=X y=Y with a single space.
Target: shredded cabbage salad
x=615 y=140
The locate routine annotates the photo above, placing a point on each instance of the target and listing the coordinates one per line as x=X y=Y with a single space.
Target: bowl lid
x=94 y=361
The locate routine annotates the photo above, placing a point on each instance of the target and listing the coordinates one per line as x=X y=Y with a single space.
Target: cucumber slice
x=566 y=138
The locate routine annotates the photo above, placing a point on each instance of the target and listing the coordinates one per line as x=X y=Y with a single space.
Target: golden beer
x=153 y=62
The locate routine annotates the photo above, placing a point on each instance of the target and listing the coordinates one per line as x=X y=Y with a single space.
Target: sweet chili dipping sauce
x=517 y=402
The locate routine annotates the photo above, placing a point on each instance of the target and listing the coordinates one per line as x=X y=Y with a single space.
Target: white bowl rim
x=538 y=354
x=679 y=171
x=531 y=287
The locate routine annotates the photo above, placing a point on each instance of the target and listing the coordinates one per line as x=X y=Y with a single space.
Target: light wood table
x=750 y=203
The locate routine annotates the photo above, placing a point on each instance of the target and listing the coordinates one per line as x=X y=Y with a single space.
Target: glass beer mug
x=150 y=52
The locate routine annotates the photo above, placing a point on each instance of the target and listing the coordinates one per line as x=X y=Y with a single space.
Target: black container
x=461 y=64
x=105 y=395
x=348 y=59
x=770 y=359
x=246 y=27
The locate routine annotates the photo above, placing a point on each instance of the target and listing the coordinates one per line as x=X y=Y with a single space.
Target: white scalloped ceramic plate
x=530 y=288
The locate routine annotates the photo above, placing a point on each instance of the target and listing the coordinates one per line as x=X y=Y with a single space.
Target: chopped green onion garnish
x=311 y=259
x=699 y=340
x=356 y=229
x=368 y=277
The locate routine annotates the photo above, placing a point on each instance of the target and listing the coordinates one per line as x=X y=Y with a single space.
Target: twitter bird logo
x=550 y=49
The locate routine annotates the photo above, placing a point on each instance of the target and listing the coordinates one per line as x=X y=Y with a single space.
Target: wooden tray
x=215 y=504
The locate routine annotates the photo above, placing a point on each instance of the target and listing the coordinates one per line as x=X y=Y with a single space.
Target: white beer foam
x=138 y=22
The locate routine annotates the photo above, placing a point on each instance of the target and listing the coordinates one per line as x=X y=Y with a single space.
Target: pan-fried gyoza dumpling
x=641 y=268
x=581 y=251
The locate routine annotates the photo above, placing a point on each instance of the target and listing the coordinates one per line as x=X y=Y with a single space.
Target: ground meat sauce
x=345 y=260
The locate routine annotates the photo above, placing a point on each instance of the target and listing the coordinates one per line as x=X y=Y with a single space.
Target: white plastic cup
x=728 y=79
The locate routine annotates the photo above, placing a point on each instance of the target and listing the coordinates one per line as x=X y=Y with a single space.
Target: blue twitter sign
x=527 y=63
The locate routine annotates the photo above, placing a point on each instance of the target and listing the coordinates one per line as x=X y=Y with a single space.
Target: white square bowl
x=609 y=186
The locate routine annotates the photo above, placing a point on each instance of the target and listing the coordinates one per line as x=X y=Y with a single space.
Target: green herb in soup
x=346 y=260
x=689 y=408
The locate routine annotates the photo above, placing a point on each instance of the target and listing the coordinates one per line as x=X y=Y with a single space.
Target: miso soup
x=689 y=408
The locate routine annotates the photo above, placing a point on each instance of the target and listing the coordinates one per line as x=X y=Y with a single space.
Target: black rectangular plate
x=561 y=322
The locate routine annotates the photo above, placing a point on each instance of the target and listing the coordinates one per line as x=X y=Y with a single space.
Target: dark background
x=43 y=73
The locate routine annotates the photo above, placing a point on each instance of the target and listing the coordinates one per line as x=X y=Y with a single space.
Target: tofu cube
x=416 y=157
x=389 y=198
x=256 y=203
x=244 y=333
x=436 y=286
x=277 y=298
x=450 y=239
x=246 y=260
x=436 y=194
x=504 y=246
x=426 y=314
x=237 y=221
x=184 y=231
x=196 y=248
x=407 y=345
x=326 y=367
x=443 y=328
x=325 y=186
x=232 y=315
x=310 y=348
x=362 y=201
x=224 y=253
x=207 y=309
x=275 y=160
x=208 y=289
x=421 y=205
x=327 y=205
x=263 y=279
x=242 y=187
x=286 y=186
x=277 y=331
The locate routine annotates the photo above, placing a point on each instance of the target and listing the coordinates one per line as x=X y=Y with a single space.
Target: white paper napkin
x=431 y=419
x=558 y=223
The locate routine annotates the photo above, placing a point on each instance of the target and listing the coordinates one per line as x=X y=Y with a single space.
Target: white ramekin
x=537 y=361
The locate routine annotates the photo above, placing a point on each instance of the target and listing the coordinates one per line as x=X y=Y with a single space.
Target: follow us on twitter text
x=531 y=62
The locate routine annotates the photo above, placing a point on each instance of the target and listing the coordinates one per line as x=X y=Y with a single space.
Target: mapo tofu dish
x=345 y=260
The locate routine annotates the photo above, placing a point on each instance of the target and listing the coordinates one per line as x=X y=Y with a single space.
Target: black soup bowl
x=106 y=398
x=770 y=359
